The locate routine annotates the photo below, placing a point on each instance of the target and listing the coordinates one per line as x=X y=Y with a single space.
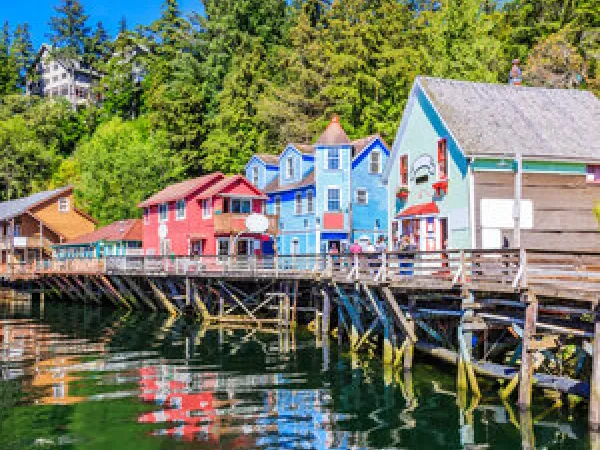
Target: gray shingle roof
x=274 y=186
x=13 y=208
x=497 y=119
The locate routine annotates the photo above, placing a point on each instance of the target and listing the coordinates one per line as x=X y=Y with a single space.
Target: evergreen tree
x=69 y=30
x=22 y=51
x=9 y=73
x=97 y=46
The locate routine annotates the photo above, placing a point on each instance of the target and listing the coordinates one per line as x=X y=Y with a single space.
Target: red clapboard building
x=205 y=216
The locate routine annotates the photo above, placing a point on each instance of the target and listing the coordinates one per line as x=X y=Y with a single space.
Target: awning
x=424 y=209
x=197 y=236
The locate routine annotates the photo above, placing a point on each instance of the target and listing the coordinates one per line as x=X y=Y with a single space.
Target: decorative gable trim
x=367 y=150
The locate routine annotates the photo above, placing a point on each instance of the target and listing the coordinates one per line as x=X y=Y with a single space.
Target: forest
x=249 y=76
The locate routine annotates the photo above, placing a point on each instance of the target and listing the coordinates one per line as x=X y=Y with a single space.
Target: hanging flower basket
x=440 y=186
x=402 y=193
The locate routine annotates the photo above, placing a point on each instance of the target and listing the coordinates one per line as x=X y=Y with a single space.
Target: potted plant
x=402 y=193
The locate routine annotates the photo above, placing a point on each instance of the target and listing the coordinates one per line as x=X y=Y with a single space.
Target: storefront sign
x=423 y=165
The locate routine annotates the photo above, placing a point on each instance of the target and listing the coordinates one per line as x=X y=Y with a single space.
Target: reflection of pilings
x=594 y=414
x=527 y=434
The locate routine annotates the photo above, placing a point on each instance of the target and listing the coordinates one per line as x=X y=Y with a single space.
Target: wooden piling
x=526 y=372
x=325 y=320
x=409 y=350
x=594 y=413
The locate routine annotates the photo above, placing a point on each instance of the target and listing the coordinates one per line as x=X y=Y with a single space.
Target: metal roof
x=499 y=119
x=181 y=190
x=13 y=208
x=274 y=186
x=122 y=230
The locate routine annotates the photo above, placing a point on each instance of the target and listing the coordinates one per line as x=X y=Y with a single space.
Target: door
x=444 y=233
x=244 y=247
x=295 y=246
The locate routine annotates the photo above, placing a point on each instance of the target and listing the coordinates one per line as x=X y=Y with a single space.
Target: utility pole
x=517 y=201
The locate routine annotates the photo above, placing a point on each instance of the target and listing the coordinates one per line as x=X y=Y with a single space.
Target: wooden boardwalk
x=524 y=316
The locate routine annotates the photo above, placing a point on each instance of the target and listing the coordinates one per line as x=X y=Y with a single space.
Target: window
x=64 y=90
x=255 y=177
x=146 y=216
x=55 y=67
x=223 y=246
x=180 y=210
x=163 y=212
x=289 y=167
x=298 y=208
x=442 y=159
x=333 y=199
x=17 y=231
x=278 y=206
x=404 y=170
x=63 y=204
x=333 y=159
x=240 y=206
x=362 y=197
x=593 y=173
x=55 y=78
x=310 y=202
x=375 y=162
x=207 y=208
x=64 y=75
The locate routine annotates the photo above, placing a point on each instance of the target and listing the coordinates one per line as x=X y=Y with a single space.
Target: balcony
x=230 y=223
x=21 y=242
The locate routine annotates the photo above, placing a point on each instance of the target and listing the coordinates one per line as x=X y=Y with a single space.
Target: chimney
x=515 y=75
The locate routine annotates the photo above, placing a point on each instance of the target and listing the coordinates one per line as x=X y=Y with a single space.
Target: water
x=89 y=378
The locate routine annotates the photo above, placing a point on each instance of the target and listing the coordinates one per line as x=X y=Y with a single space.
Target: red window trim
x=404 y=170
x=442 y=148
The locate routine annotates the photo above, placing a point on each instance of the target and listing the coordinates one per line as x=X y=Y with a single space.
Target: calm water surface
x=89 y=378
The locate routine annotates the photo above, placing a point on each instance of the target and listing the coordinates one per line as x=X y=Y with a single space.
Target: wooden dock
x=524 y=317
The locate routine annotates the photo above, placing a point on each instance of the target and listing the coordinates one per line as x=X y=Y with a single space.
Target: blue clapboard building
x=327 y=194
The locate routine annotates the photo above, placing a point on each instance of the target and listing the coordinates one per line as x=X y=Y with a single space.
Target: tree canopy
x=188 y=94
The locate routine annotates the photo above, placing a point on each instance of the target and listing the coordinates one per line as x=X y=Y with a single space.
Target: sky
x=38 y=12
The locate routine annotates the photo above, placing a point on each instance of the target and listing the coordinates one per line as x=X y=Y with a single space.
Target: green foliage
x=198 y=93
x=122 y=163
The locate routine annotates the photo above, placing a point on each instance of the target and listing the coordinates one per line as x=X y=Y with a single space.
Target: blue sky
x=38 y=12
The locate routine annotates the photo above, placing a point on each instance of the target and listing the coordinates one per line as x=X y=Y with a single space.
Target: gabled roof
x=499 y=119
x=122 y=230
x=272 y=160
x=334 y=134
x=274 y=186
x=223 y=184
x=14 y=208
x=359 y=145
x=181 y=190
x=307 y=149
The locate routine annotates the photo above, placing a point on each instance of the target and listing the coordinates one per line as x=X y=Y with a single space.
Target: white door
x=295 y=246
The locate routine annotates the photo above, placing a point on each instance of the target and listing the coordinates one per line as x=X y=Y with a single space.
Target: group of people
x=368 y=247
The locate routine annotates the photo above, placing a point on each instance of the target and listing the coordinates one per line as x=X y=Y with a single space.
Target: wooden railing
x=493 y=270
x=24 y=242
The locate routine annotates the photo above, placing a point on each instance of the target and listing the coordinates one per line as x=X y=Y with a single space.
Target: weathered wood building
x=466 y=154
x=29 y=226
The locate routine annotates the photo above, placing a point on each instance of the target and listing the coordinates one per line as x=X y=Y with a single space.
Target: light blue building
x=466 y=154
x=328 y=194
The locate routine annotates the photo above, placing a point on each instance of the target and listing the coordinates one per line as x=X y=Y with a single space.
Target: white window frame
x=146 y=215
x=333 y=188
x=277 y=205
x=357 y=196
x=330 y=159
x=310 y=202
x=219 y=241
x=242 y=201
x=295 y=243
x=255 y=176
x=207 y=206
x=179 y=216
x=160 y=212
x=298 y=203
x=379 y=162
x=289 y=167
x=64 y=204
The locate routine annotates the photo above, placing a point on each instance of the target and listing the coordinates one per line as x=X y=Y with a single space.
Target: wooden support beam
x=65 y=288
x=124 y=292
x=325 y=318
x=167 y=305
x=199 y=302
x=405 y=323
x=138 y=291
x=112 y=290
x=526 y=372
x=86 y=289
x=109 y=295
x=594 y=413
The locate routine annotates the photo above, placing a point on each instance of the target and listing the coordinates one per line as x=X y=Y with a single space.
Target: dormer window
x=333 y=159
x=255 y=176
x=180 y=210
x=442 y=159
x=375 y=162
x=63 y=204
x=289 y=167
x=163 y=212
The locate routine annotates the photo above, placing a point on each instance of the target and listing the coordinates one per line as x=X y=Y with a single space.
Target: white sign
x=491 y=238
x=162 y=231
x=257 y=223
x=499 y=213
x=458 y=218
x=20 y=241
